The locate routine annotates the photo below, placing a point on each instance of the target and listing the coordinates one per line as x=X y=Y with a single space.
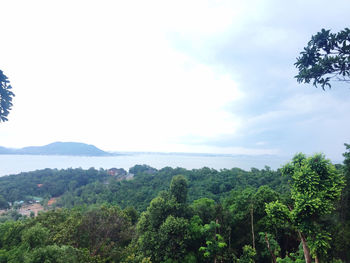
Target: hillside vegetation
x=295 y=214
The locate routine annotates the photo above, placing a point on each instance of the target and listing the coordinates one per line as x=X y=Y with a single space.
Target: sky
x=171 y=76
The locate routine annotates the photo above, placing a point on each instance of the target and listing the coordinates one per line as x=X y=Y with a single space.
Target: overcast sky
x=173 y=76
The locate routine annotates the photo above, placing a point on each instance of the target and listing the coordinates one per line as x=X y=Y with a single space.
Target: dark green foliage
x=205 y=209
x=142 y=169
x=178 y=188
x=144 y=187
x=346 y=193
x=341 y=234
x=173 y=238
x=248 y=255
x=264 y=241
x=326 y=57
x=297 y=257
x=57 y=254
x=96 y=235
x=164 y=228
x=10 y=215
x=132 y=214
x=247 y=207
x=3 y=203
x=101 y=231
x=6 y=96
x=215 y=246
x=199 y=215
x=316 y=186
x=47 y=182
x=35 y=236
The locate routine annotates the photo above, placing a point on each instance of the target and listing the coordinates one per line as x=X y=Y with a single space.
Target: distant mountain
x=4 y=150
x=58 y=148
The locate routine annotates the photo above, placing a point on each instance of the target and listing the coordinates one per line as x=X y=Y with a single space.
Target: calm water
x=12 y=164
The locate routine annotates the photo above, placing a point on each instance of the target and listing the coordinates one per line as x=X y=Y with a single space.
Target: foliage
x=346 y=192
x=80 y=187
x=142 y=170
x=96 y=235
x=144 y=187
x=244 y=206
x=248 y=255
x=316 y=186
x=35 y=236
x=3 y=203
x=326 y=57
x=54 y=253
x=279 y=213
x=6 y=96
x=178 y=188
x=214 y=245
x=164 y=228
x=205 y=209
x=47 y=183
x=199 y=215
x=297 y=257
x=266 y=251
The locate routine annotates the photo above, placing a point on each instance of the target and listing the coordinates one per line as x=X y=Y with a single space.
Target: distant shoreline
x=13 y=164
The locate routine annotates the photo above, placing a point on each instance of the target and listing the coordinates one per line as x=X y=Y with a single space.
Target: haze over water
x=13 y=164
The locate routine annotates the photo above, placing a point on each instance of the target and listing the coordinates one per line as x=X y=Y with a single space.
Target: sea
x=14 y=164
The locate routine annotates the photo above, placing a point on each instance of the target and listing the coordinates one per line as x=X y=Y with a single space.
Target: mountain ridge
x=58 y=148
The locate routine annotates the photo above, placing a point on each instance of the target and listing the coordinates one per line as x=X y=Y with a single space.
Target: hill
x=58 y=148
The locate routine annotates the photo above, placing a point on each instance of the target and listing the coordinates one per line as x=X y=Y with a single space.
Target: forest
x=299 y=213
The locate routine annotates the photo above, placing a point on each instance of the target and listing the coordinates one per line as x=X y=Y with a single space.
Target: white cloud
x=106 y=74
x=143 y=75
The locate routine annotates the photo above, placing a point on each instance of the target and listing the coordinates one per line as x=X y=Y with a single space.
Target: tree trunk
x=269 y=248
x=306 y=249
x=316 y=259
x=229 y=239
x=252 y=225
x=217 y=222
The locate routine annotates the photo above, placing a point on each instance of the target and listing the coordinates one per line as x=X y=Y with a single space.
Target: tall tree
x=326 y=57
x=178 y=188
x=315 y=186
x=164 y=228
x=343 y=236
x=6 y=96
x=347 y=177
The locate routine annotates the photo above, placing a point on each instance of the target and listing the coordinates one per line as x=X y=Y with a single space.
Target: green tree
x=315 y=187
x=326 y=57
x=343 y=233
x=104 y=231
x=6 y=96
x=241 y=206
x=178 y=188
x=248 y=255
x=173 y=238
x=346 y=193
x=36 y=236
x=54 y=253
x=205 y=209
x=163 y=229
x=3 y=203
x=249 y=217
x=214 y=244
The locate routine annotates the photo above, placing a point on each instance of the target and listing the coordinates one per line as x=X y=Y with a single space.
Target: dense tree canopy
x=201 y=215
x=6 y=96
x=326 y=57
x=316 y=186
